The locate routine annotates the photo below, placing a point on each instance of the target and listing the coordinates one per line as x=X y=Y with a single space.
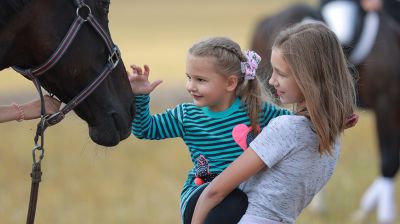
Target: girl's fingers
x=146 y=70
x=155 y=84
x=135 y=70
x=139 y=70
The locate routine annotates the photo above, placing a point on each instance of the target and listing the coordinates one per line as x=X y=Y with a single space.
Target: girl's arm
x=271 y=111
x=247 y=165
x=159 y=126
x=28 y=111
x=8 y=113
x=144 y=125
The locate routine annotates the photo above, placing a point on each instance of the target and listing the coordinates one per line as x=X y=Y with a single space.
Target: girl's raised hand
x=139 y=80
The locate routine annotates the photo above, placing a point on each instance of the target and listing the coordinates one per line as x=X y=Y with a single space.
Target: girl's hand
x=351 y=121
x=139 y=80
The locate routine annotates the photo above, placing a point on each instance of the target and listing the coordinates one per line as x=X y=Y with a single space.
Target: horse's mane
x=9 y=8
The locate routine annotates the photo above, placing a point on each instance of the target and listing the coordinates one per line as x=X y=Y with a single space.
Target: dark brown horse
x=379 y=76
x=67 y=45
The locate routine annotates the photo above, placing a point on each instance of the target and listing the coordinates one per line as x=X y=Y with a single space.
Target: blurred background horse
x=38 y=40
x=378 y=87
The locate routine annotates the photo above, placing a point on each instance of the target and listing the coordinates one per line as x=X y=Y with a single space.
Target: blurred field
x=140 y=181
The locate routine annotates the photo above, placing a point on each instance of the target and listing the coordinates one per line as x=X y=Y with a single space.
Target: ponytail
x=252 y=93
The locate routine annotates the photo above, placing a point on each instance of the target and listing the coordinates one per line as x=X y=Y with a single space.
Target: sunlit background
x=140 y=181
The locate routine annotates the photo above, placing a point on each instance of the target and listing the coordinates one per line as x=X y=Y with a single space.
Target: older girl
x=295 y=155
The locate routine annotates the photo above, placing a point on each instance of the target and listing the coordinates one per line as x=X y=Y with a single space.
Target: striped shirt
x=205 y=133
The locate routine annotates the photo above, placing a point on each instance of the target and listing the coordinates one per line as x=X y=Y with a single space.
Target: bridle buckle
x=114 y=57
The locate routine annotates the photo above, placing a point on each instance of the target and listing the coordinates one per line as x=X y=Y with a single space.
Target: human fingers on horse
x=52 y=105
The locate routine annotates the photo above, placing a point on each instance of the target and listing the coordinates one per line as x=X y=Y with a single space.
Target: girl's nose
x=189 y=86
x=272 y=80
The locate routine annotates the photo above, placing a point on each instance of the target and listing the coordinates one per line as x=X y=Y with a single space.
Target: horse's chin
x=109 y=136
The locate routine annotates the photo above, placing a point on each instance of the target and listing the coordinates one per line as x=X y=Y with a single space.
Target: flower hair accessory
x=250 y=66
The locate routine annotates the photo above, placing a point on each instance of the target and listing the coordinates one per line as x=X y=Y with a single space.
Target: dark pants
x=230 y=210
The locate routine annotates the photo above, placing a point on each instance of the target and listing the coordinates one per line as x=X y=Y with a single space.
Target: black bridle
x=83 y=15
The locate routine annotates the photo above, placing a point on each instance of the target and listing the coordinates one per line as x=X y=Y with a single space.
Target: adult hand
x=139 y=80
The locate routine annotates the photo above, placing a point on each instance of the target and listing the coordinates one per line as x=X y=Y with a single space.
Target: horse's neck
x=12 y=19
x=6 y=43
x=4 y=48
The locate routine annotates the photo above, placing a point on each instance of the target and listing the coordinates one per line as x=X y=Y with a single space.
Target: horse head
x=31 y=31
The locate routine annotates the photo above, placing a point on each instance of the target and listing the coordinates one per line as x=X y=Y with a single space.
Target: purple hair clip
x=250 y=66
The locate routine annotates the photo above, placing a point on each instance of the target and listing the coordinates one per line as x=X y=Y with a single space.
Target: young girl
x=295 y=155
x=28 y=111
x=222 y=81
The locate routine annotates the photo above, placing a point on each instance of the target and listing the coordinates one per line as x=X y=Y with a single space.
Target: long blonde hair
x=228 y=56
x=321 y=71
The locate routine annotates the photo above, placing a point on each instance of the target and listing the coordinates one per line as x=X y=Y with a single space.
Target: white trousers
x=341 y=18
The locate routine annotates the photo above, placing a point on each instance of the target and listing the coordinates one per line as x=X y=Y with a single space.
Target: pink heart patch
x=239 y=134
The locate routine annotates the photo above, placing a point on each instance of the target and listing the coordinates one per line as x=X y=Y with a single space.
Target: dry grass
x=140 y=181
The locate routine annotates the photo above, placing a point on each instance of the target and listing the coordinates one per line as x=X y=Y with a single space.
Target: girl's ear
x=232 y=83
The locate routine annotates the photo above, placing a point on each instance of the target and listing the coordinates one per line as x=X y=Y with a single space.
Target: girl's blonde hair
x=228 y=56
x=320 y=69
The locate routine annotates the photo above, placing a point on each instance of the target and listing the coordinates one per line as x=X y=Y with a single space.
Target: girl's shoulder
x=290 y=122
x=292 y=129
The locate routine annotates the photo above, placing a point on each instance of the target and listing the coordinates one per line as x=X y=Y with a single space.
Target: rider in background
x=391 y=7
x=342 y=16
x=356 y=23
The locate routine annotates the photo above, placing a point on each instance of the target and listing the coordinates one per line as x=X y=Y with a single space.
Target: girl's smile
x=207 y=87
x=283 y=80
